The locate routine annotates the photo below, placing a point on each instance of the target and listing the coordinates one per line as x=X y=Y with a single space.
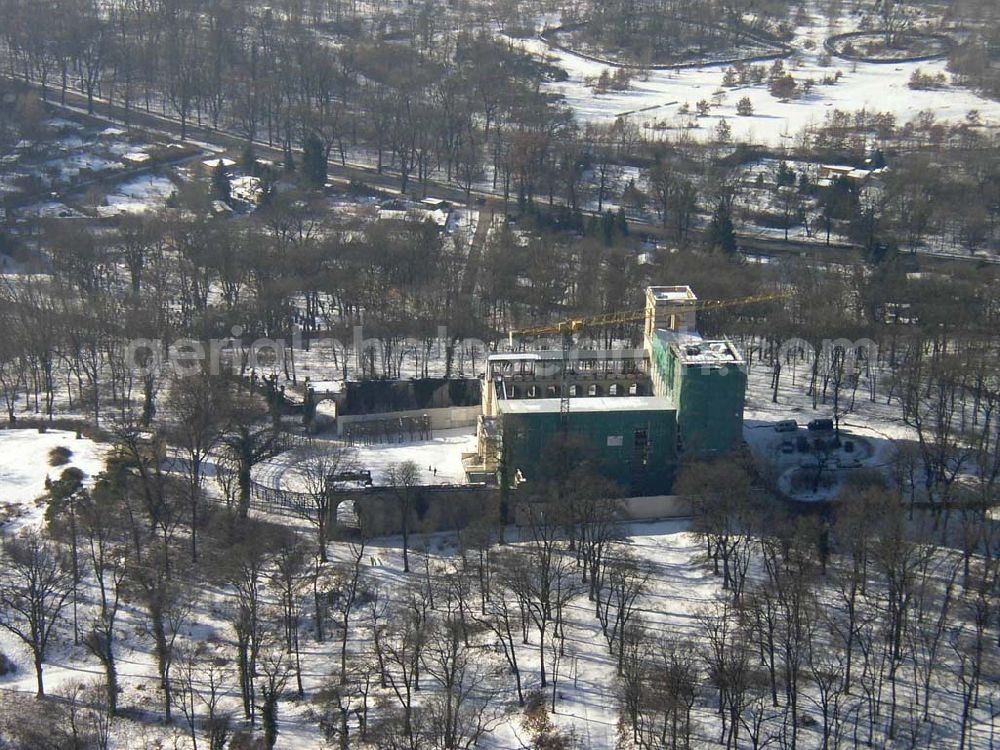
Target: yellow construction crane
x=575 y=325
x=566 y=329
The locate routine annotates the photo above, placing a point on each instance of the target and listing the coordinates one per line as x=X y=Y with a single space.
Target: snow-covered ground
x=24 y=467
x=661 y=94
x=138 y=195
x=681 y=587
x=66 y=155
x=439 y=461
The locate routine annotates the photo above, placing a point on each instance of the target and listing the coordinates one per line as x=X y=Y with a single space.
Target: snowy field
x=871 y=86
x=587 y=704
x=24 y=467
x=138 y=195
x=439 y=461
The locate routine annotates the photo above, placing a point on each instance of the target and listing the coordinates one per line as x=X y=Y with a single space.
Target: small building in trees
x=634 y=412
x=247 y=189
x=831 y=173
x=208 y=166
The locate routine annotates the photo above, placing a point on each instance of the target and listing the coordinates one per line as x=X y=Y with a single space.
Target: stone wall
x=441 y=419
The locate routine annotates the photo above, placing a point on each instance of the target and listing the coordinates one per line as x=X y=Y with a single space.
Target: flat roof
x=693 y=349
x=538 y=355
x=667 y=293
x=585 y=404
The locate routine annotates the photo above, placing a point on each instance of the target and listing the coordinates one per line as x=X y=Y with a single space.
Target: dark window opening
x=641 y=447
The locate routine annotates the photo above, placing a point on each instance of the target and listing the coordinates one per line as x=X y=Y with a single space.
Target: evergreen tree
x=314 y=161
x=720 y=233
x=268 y=183
x=621 y=222
x=248 y=160
x=220 y=183
x=608 y=226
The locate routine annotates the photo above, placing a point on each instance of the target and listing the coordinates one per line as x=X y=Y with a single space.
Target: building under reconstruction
x=633 y=411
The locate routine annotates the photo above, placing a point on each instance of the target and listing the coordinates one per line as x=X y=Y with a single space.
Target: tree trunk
x=38 y=676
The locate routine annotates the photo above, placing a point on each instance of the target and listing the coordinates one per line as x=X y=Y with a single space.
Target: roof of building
x=692 y=349
x=541 y=355
x=669 y=293
x=586 y=404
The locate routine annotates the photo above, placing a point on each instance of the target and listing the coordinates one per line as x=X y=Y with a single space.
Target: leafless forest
x=146 y=601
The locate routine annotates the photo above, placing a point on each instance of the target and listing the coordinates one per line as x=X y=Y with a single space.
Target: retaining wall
x=441 y=419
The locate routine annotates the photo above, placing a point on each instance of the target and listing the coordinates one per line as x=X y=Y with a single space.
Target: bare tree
x=101 y=527
x=504 y=620
x=248 y=562
x=404 y=480
x=273 y=673
x=466 y=705
x=201 y=683
x=657 y=691
x=617 y=606
x=246 y=442
x=320 y=468
x=34 y=588
x=289 y=577
x=185 y=693
x=348 y=584
x=724 y=516
x=542 y=581
x=728 y=658
x=199 y=408
x=168 y=600
x=399 y=646
x=897 y=20
x=340 y=700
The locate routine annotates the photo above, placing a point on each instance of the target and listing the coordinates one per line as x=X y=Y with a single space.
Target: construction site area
x=627 y=415
x=631 y=412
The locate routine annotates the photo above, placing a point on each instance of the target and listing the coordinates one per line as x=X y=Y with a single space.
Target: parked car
x=786 y=425
x=848 y=462
x=802 y=444
x=787 y=447
x=821 y=425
